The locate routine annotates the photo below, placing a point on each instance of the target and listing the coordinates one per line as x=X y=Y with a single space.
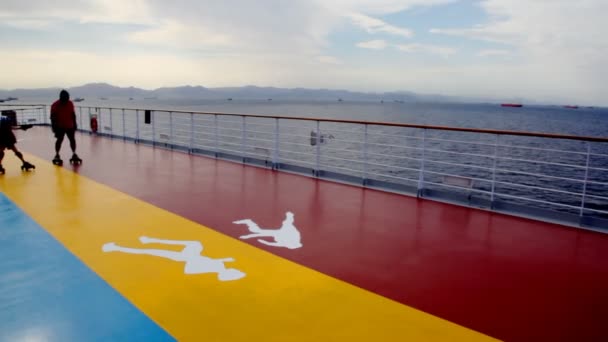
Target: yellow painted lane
x=276 y=300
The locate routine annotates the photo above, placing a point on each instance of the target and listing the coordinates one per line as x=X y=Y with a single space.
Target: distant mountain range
x=104 y=90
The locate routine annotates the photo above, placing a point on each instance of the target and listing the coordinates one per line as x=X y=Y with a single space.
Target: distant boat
x=517 y=105
x=571 y=107
x=78 y=99
x=229 y=99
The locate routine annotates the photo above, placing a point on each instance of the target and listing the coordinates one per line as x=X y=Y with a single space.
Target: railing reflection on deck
x=545 y=176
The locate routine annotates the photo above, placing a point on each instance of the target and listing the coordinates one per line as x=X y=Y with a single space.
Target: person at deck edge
x=63 y=122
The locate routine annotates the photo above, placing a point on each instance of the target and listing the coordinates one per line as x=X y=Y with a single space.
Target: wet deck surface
x=371 y=265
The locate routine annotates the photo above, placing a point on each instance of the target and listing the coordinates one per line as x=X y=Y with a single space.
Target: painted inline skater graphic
x=287 y=236
x=195 y=263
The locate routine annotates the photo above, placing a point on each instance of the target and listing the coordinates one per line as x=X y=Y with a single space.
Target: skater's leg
x=72 y=138
x=274 y=244
x=252 y=226
x=256 y=235
x=226 y=260
x=230 y=274
x=59 y=134
x=1 y=157
x=145 y=239
x=17 y=153
x=191 y=246
x=176 y=256
x=26 y=165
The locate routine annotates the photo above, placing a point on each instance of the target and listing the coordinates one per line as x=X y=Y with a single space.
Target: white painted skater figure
x=190 y=255
x=287 y=236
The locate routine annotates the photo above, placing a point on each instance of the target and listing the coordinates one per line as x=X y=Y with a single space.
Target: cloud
x=380 y=44
x=373 y=44
x=560 y=45
x=85 y=11
x=373 y=25
x=443 y=51
x=27 y=24
x=490 y=52
x=558 y=41
x=176 y=34
x=250 y=27
x=498 y=33
x=380 y=7
x=329 y=60
x=262 y=27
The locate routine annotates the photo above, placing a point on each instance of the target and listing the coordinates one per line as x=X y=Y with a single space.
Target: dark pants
x=60 y=133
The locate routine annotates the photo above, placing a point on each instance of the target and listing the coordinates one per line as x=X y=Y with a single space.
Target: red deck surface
x=511 y=278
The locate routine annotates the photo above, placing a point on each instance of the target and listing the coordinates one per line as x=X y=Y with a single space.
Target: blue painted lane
x=47 y=294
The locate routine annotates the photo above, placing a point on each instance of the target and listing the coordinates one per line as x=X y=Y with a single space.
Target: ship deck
x=140 y=243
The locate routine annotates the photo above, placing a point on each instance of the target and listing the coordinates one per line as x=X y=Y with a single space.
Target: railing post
x=89 y=120
x=137 y=126
x=171 y=129
x=152 y=117
x=243 y=138
x=216 y=136
x=111 y=125
x=275 y=153
x=124 y=126
x=421 y=175
x=494 y=162
x=365 y=165
x=80 y=112
x=586 y=179
x=318 y=157
x=191 y=149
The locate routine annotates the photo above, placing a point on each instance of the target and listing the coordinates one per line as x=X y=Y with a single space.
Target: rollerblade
x=1 y=170
x=75 y=159
x=57 y=161
x=27 y=166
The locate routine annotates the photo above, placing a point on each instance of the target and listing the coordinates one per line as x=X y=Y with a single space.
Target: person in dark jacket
x=63 y=122
x=8 y=141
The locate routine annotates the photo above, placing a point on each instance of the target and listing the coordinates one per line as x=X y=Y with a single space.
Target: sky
x=543 y=50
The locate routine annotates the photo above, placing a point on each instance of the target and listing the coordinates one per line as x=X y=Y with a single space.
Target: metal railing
x=25 y=114
x=545 y=176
